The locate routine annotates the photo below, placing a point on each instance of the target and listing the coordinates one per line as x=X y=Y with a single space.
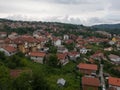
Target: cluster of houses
x=35 y=47
x=90 y=81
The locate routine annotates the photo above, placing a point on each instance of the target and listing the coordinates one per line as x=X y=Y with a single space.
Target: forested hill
x=107 y=26
x=23 y=27
x=112 y=28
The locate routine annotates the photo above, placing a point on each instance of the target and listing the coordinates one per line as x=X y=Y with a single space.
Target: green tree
x=23 y=82
x=53 y=49
x=53 y=60
x=70 y=46
x=39 y=82
x=5 y=81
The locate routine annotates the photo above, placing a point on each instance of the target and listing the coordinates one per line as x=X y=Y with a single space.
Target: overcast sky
x=87 y=12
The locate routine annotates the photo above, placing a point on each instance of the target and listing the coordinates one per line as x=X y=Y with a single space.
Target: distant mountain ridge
x=107 y=26
x=29 y=26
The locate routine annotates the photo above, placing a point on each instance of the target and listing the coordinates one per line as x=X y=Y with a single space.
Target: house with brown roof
x=98 y=55
x=17 y=72
x=8 y=50
x=62 y=49
x=114 y=82
x=87 y=69
x=108 y=49
x=114 y=58
x=90 y=83
x=57 y=41
x=73 y=55
x=3 y=34
x=63 y=59
x=26 y=43
x=37 y=56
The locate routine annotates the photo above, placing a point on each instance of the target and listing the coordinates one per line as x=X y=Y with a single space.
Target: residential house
x=63 y=58
x=98 y=55
x=44 y=49
x=90 y=60
x=13 y=35
x=41 y=42
x=57 y=41
x=65 y=37
x=104 y=33
x=88 y=69
x=69 y=41
x=62 y=49
x=90 y=83
x=108 y=49
x=118 y=45
x=2 y=42
x=37 y=56
x=83 y=50
x=114 y=82
x=8 y=50
x=10 y=42
x=114 y=58
x=73 y=55
x=26 y=43
x=3 y=34
x=113 y=41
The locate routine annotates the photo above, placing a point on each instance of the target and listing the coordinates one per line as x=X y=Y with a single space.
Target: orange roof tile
x=15 y=73
x=114 y=81
x=38 y=54
x=10 y=49
x=61 y=56
x=90 y=81
x=87 y=66
x=73 y=53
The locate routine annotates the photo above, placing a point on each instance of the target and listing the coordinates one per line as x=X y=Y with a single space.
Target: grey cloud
x=68 y=11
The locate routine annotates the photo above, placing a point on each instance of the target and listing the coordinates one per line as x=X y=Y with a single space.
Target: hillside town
x=97 y=59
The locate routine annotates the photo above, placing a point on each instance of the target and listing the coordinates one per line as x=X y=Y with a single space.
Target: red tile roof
x=37 y=54
x=61 y=56
x=90 y=81
x=91 y=60
x=41 y=39
x=10 y=49
x=114 y=81
x=87 y=66
x=73 y=53
x=16 y=72
x=112 y=56
x=3 y=32
x=69 y=41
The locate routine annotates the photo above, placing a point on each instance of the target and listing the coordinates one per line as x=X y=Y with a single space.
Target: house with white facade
x=114 y=82
x=73 y=55
x=57 y=42
x=63 y=59
x=83 y=50
x=62 y=49
x=114 y=58
x=65 y=37
x=37 y=56
x=8 y=50
x=3 y=34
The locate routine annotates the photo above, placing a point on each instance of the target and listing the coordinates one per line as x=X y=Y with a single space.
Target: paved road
x=102 y=78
